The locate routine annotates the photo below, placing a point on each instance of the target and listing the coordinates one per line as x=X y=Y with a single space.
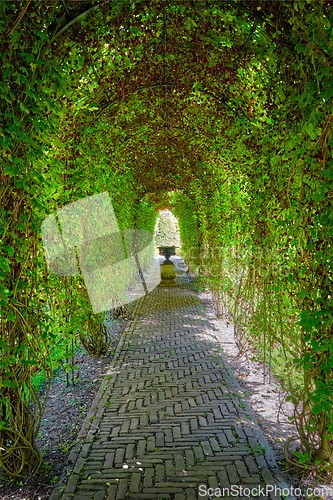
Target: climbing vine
x=227 y=106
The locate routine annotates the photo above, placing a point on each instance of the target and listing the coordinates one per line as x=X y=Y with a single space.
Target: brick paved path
x=168 y=417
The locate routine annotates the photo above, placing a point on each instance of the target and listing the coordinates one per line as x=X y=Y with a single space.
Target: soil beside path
x=267 y=400
x=66 y=409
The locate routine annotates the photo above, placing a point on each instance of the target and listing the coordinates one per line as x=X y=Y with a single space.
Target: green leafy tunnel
x=217 y=110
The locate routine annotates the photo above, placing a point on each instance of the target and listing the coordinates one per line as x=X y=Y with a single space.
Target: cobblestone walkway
x=168 y=422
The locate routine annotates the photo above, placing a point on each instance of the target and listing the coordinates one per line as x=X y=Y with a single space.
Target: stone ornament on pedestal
x=167 y=273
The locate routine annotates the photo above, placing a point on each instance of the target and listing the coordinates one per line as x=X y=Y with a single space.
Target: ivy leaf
x=43 y=35
x=4 y=265
x=10 y=170
x=27 y=362
x=309 y=128
x=9 y=250
x=316 y=409
x=329 y=174
x=24 y=108
x=315 y=345
x=2 y=424
x=11 y=317
x=135 y=30
x=6 y=383
x=326 y=406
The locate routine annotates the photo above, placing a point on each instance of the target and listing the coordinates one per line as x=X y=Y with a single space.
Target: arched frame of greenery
x=225 y=104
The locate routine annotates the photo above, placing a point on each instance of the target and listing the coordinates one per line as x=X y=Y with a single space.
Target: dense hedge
x=228 y=106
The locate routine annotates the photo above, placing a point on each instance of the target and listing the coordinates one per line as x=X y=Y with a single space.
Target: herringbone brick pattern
x=168 y=421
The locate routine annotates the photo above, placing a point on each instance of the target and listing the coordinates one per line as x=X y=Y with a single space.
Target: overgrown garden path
x=219 y=111
x=167 y=421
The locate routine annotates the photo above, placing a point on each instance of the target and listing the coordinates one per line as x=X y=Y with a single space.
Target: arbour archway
x=226 y=103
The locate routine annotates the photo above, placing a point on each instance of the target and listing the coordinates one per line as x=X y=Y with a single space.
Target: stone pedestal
x=168 y=275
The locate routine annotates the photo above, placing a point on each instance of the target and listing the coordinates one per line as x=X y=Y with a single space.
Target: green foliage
x=240 y=138
x=166 y=233
x=184 y=210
